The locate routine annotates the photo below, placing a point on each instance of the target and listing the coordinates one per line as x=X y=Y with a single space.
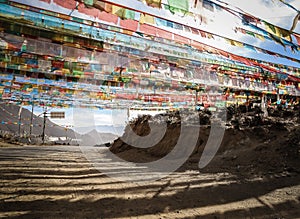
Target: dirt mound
x=252 y=144
x=259 y=151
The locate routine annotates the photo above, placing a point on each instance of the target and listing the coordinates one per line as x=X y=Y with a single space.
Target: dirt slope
x=252 y=145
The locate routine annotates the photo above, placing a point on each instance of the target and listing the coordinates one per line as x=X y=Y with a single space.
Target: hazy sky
x=272 y=11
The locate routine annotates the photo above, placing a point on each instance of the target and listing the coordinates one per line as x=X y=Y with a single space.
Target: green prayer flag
x=125 y=14
x=181 y=6
x=89 y=2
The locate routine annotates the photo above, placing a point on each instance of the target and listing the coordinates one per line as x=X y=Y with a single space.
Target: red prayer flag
x=129 y=24
x=148 y=29
x=241 y=59
x=181 y=39
x=202 y=33
x=108 y=17
x=297 y=36
x=223 y=53
x=70 y=4
x=48 y=1
x=164 y=34
x=89 y=11
x=197 y=45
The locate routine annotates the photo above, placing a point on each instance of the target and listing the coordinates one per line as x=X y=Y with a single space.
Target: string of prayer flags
x=277 y=31
x=269 y=36
x=161 y=33
x=133 y=26
x=248 y=19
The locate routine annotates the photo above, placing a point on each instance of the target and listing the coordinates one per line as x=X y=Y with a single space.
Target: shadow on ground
x=58 y=182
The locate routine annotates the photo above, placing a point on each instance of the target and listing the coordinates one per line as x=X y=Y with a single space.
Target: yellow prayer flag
x=148 y=19
x=229 y=41
x=209 y=36
x=288 y=38
x=277 y=31
x=271 y=28
x=115 y=9
x=259 y=37
x=128 y=32
x=154 y=3
x=239 y=44
x=285 y=34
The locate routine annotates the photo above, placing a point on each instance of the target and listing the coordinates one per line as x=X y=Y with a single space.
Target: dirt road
x=59 y=182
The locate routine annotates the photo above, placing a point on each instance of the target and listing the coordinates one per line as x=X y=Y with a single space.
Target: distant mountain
x=116 y=130
x=96 y=138
x=9 y=122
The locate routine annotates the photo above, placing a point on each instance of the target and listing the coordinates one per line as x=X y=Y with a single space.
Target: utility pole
x=196 y=97
x=20 y=117
x=44 y=126
x=128 y=113
x=31 y=119
x=12 y=83
x=264 y=105
x=66 y=129
x=19 y=120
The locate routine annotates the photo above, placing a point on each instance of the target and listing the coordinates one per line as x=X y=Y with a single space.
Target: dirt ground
x=255 y=173
x=59 y=182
